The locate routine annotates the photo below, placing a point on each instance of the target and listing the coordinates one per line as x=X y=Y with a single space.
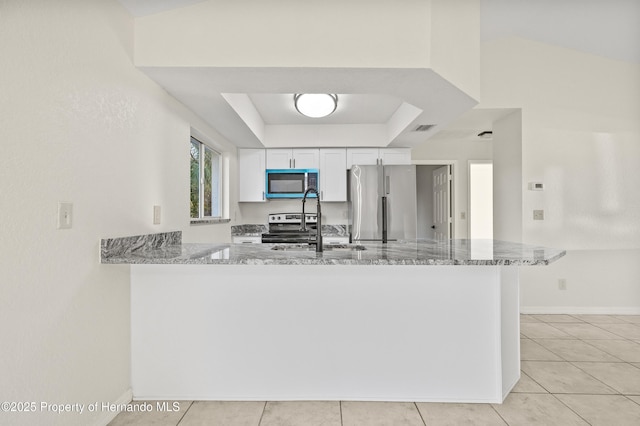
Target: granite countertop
x=414 y=252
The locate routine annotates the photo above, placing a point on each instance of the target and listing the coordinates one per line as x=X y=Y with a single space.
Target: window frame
x=216 y=184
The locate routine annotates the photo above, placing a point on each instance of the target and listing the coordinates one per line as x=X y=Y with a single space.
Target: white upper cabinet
x=251 y=175
x=373 y=156
x=293 y=158
x=401 y=156
x=279 y=158
x=362 y=156
x=333 y=174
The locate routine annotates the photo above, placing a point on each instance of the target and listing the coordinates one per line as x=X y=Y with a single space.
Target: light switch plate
x=65 y=215
x=538 y=215
x=157 y=215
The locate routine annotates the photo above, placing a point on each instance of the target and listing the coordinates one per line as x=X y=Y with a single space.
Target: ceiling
x=278 y=108
x=605 y=28
x=376 y=107
x=609 y=29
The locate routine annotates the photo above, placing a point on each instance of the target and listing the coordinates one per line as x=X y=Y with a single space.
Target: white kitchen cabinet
x=293 y=158
x=333 y=174
x=374 y=156
x=335 y=240
x=362 y=156
x=278 y=158
x=241 y=239
x=393 y=156
x=251 y=175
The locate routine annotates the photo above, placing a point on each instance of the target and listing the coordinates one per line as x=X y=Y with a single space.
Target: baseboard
x=581 y=310
x=106 y=416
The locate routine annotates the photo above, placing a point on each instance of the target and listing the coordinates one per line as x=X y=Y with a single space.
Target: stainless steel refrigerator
x=382 y=203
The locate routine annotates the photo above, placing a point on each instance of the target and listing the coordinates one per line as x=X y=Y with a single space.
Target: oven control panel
x=292 y=218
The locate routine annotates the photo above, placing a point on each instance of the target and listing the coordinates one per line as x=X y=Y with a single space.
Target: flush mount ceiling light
x=315 y=105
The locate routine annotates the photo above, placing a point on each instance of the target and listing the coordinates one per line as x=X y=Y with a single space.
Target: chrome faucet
x=303 y=222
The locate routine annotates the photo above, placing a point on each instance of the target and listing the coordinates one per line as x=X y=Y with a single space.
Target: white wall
x=459 y=151
x=480 y=200
x=507 y=181
x=581 y=138
x=284 y=33
x=455 y=45
x=78 y=123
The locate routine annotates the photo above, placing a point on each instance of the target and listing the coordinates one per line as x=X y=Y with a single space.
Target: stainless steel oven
x=285 y=228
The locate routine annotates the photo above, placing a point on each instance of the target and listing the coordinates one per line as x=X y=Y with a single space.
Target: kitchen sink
x=326 y=247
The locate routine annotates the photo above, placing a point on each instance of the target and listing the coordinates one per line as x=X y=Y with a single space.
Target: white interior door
x=442 y=203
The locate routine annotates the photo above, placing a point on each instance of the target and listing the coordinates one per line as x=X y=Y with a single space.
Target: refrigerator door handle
x=387 y=185
x=384 y=220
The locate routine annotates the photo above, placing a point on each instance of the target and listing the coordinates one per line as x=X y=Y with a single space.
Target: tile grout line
x=609 y=331
x=341 y=420
x=571 y=409
x=534 y=380
x=593 y=325
x=500 y=415
x=264 y=408
x=185 y=413
x=415 y=404
x=632 y=400
x=606 y=384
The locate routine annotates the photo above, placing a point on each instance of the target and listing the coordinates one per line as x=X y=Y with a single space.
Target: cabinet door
x=362 y=156
x=335 y=240
x=251 y=175
x=395 y=156
x=279 y=159
x=333 y=174
x=246 y=240
x=306 y=158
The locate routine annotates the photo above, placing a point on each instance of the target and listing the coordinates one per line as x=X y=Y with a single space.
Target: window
x=206 y=181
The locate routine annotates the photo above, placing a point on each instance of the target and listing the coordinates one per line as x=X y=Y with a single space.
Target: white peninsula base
x=325 y=332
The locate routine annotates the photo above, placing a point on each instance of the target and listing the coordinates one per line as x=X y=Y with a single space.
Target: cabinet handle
x=262 y=195
x=294 y=163
x=321 y=195
x=290 y=163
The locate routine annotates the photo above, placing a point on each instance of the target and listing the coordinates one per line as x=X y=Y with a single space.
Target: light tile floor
x=576 y=370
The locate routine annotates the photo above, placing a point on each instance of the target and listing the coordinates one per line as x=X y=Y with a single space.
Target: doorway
x=480 y=199
x=434 y=200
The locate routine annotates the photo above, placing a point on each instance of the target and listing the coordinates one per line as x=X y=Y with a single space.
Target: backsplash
x=332 y=213
x=249 y=229
x=110 y=247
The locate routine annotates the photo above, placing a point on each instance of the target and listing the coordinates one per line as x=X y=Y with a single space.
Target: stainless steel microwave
x=291 y=183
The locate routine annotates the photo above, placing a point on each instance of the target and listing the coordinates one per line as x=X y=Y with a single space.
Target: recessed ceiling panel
x=278 y=108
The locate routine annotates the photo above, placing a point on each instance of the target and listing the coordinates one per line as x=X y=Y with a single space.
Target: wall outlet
x=536 y=186
x=538 y=215
x=562 y=284
x=156 y=215
x=65 y=215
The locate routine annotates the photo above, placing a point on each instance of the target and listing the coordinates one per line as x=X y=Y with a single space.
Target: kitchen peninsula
x=406 y=321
